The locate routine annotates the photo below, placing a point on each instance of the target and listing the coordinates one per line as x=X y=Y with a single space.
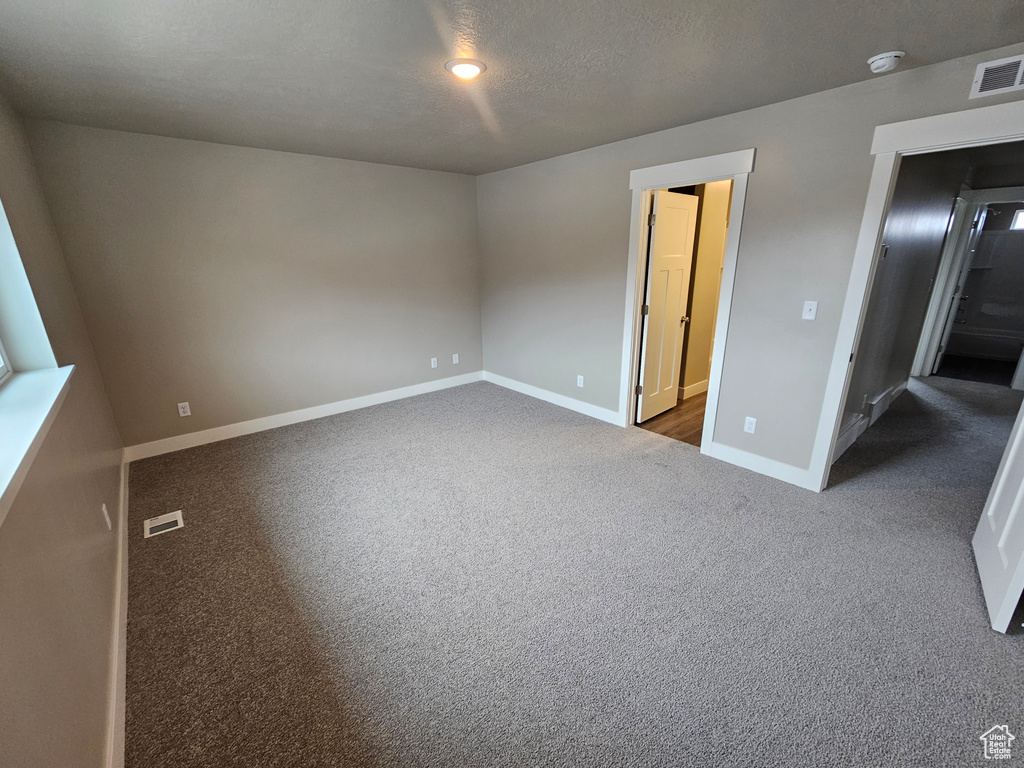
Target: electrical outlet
x=579 y=381
x=106 y=516
x=433 y=362
x=455 y=359
x=750 y=424
x=184 y=410
x=810 y=310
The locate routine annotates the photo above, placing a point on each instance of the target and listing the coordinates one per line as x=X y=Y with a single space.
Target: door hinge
x=645 y=309
x=851 y=357
x=650 y=219
x=639 y=389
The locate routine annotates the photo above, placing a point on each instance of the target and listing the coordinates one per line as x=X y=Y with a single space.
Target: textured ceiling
x=364 y=79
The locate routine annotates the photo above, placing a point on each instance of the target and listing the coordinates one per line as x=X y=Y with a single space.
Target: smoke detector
x=886 y=62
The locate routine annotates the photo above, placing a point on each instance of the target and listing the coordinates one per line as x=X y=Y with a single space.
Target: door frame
x=642 y=181
x=981 y=126
x=952 y=264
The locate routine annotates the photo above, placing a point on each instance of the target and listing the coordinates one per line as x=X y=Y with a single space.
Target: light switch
x=810 y=310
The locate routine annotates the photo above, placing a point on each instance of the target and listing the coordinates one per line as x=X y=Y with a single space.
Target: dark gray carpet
x=476 y=578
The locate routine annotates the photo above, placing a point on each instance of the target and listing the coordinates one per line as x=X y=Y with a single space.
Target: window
x=1018 y=220
x=5 y=366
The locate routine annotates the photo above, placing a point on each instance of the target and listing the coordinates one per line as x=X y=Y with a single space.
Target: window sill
x=28 y=405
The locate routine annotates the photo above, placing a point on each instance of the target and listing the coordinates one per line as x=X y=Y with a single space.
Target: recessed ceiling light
x=465 y=69
x=885 y=62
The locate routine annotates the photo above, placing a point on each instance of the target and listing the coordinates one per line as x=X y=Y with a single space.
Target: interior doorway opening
x=685 y=257
x=946 y=303
x=947 y=293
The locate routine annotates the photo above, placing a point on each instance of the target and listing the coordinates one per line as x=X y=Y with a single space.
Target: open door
x=962 y=260
x=673 y=226
x=999 y=539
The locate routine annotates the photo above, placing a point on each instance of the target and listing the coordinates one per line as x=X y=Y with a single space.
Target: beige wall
x=554 y=242
x=707 y=278
x=57 y=558
x=251 y=282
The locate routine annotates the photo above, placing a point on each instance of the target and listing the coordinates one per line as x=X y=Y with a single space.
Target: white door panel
x=668 y=286
x=999 y=539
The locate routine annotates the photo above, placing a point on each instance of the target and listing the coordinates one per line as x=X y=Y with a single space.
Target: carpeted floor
x=476 y=578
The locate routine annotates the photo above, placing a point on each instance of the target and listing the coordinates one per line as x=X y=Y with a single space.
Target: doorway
x=942 y=332
x=974 y=328
x=682 y=177
x=947 y=293
x=687 y=235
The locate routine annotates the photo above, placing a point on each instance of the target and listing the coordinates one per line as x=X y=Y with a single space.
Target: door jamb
x=732 y=165
x=951 y=266
x=981 y=126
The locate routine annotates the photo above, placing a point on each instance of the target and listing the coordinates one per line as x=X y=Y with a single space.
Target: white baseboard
x=693 y=389
x=192 y=439
x=118 y=652
x=849 y=435
x=803 y=478
x=594 y=411
x=880 y=404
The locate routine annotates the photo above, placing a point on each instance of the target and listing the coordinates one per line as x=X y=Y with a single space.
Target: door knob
x=684 y=319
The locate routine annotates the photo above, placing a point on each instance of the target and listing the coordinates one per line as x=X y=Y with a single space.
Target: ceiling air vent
x=1000 y=76
x=157 y=525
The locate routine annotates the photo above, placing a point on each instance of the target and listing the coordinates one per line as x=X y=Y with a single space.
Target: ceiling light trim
x=462 y=62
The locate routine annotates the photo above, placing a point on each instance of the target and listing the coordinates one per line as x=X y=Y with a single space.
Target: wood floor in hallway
x=684 y=422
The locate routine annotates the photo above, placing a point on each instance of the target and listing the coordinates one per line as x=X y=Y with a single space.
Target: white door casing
x=999 y=538
x=963 y=260
x=955 y=130
x=668 y=285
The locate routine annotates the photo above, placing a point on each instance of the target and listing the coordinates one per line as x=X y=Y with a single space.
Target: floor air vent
x=163 y=524
x=1000 y=76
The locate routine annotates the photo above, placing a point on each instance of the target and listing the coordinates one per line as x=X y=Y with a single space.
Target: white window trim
x=28 y=406
x=5 y=365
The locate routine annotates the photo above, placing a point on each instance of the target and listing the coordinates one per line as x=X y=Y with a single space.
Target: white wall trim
x=119 y=639
x=693 y=389
x=992 y=196
x=571 y=403
x=984 y=125
x=947 y=278
x=29 y=403
x=193 y=439
x=849 y=435
x=802 y=478
x=697 y=171
x=729 y=262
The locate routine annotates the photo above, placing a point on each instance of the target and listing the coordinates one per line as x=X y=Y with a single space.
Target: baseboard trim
x=849 y=436
x=119 y=639
x=193 y=439
x=693 y=389
x=572 y=404
x=802 y=478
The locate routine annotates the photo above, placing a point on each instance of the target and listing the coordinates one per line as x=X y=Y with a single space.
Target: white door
x=999 y=540
x=668 y=286
x=963 y=261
